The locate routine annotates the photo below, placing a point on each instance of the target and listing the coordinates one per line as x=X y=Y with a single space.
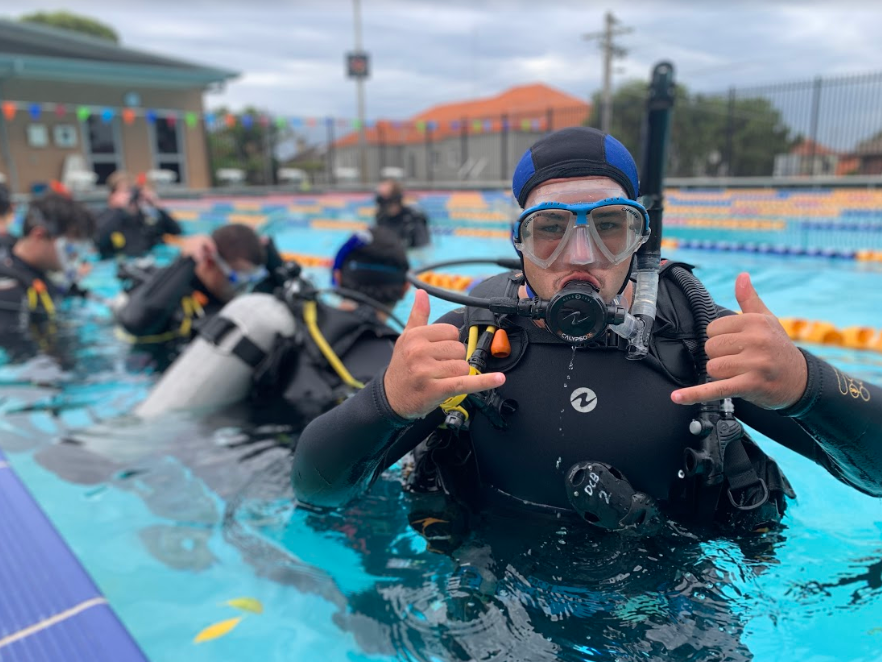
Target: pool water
x=175 y=517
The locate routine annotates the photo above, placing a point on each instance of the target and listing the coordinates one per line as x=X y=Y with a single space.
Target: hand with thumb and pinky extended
x=750 y=356
x=429 y=365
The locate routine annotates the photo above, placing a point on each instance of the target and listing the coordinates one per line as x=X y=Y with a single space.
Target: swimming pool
x=177 y=517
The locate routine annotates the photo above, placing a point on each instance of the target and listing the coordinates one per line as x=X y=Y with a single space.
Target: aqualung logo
x=575 y=317
x=583 y=400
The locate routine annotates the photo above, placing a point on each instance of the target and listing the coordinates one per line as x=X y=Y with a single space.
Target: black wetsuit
x=7 y=241
x=409 y=224
x=18 y=308
x=628 y=422
x=123 y=233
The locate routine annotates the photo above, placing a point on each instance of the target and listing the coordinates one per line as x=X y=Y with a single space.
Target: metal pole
x=7 y=152
x=359 y=86
x=464 y=143
x=503 y=156
x=813 y=130
x=329 y=127
x=610 y=50
x=730 y=135
x=606 y=118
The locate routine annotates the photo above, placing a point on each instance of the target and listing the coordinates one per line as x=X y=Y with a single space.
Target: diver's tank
x=215 y=370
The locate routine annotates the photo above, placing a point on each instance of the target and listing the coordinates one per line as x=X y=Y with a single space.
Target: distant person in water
x=134 y=221
x=411 y=225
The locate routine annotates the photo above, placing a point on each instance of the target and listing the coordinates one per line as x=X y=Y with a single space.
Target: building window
x=103 y=146
x=168 y=148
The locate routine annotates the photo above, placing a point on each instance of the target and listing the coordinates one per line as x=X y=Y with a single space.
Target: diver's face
x=606 y=277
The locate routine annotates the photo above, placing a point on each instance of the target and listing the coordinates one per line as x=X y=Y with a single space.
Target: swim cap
x=577 y=151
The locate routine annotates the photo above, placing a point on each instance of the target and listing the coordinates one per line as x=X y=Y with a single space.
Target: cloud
x=425 y=52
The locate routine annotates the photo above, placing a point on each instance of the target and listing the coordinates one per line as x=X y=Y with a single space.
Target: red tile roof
x=524 y=107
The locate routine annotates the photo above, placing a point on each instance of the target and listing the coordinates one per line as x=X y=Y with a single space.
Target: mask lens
x=618 y=228
x=543 y=231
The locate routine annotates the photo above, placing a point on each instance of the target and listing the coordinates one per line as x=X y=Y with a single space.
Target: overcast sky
x=290 y=53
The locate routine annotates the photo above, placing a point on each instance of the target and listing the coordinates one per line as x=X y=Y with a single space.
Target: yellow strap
x=191 y=308
x=454 y=402
x=48 y=304
x=310 y=317
x=36 y=295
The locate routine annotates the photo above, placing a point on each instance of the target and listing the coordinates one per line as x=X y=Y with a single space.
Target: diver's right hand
x=429 y=365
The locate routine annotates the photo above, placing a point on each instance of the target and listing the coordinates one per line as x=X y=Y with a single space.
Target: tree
x=74 y=23
x=710 y=134
x=249 y=145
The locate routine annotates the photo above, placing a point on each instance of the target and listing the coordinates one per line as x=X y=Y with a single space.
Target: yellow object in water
x=252 y=605
x=217 y=630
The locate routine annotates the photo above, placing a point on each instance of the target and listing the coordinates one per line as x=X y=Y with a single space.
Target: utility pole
x=612 y=28
x=359 y=86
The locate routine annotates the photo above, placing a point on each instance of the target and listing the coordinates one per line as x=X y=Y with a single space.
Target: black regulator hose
x=704 y=312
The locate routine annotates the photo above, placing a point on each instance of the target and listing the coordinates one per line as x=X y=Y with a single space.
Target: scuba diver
x=343 y=346
x=289 y=357
x=548 y=416
x=411 y=225
x=133 y=222
x=163 y=306
x=45 y=263
x=7 y=216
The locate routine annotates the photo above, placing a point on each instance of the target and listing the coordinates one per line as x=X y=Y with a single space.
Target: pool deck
x=50 y=609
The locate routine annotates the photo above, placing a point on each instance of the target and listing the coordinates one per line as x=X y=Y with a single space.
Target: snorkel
x=648 y=258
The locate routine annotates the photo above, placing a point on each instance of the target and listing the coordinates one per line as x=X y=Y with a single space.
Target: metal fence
x=820 y=127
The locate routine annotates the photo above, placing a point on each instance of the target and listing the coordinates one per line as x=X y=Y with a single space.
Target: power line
x=612 y=28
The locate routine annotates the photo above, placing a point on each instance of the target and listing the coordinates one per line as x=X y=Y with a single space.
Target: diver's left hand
x=750 y=357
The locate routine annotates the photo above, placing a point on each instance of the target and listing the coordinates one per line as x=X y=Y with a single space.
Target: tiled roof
x=526 y=106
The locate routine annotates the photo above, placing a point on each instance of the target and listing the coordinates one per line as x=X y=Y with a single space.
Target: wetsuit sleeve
x=167 y=223
x=342 y=452
x=150 y=306
x=837 y=423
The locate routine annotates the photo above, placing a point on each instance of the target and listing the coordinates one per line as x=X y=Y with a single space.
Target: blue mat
x=49 y=607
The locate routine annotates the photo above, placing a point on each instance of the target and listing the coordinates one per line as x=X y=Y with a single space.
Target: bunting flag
x=191 y=119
